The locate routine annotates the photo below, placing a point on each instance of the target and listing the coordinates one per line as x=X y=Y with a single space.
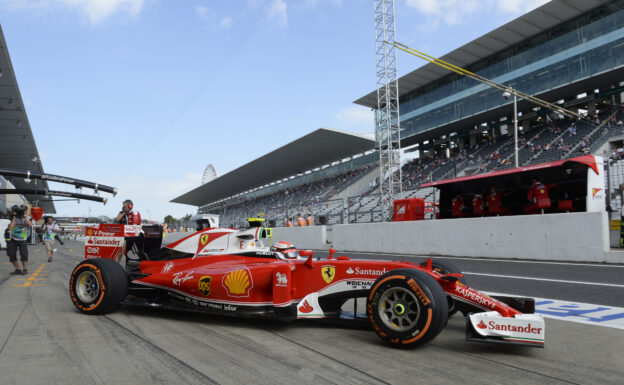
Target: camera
x=19 y=211
x=506 y=94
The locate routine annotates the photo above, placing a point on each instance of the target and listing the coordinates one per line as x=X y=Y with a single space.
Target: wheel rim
x=399 y=309
x=87 y=287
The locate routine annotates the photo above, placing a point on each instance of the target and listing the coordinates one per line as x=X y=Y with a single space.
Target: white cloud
x=226 y=22
x=205 y=13
x=96 y=11
x=357 y=117
x=454 y=12
x=277 y=16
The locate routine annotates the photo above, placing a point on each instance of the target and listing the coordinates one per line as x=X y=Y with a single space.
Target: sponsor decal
x=401 y=210
x=528 y=329
x=93 y=250
x=181 y=277
x=238 y=283
x=281 y=280
x=167 y=268
x=595 y=191
x=100 y=233
x=241 y=245
x=482 y=325
x=210 y=305
x=360 y=284
x=129 y=230
x=89 y=231
x=476 y=297
x=419 y=293
x=203 y=285
x=360 y=271
x=328 y=272
x=116 y=241
x=305 y=308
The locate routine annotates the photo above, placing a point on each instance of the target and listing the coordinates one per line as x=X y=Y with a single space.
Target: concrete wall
x=564 y=237
x=313 y=237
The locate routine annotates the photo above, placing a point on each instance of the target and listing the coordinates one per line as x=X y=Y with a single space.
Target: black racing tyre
x=407 y=307
x=446 y=267
x=98 y=286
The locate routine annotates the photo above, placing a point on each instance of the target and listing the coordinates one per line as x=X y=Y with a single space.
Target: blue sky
x=143 y=94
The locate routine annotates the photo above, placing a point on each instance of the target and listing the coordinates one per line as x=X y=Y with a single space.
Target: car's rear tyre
x=407 y=307
x=98 y=286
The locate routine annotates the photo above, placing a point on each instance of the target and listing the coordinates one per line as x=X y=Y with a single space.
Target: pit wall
x=581 y=237
x=313 y=237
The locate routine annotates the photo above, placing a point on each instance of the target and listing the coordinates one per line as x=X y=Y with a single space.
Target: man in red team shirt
x=537 y=191
x=127 y=216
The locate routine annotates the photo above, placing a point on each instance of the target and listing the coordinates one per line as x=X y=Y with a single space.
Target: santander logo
x=305 y=308
x=482 y=325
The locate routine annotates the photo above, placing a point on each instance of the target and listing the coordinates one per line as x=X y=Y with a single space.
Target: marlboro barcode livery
x=237 y=273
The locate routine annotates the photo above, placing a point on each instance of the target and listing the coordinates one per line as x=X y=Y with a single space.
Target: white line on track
x=607 y=265
x=544 y=279
x=579 y=312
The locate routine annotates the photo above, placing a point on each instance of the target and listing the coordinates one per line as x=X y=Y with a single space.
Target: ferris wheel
x=209 y=174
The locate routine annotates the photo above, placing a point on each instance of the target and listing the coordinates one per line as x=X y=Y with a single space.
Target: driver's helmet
x=286 y=248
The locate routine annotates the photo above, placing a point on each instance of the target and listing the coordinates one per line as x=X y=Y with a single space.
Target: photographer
x=127 y=216
x=19 y=233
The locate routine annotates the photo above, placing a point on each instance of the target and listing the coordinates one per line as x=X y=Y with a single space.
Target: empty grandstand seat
x=565 y=205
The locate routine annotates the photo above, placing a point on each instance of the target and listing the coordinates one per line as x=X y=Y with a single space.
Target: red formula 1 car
x=232 y=272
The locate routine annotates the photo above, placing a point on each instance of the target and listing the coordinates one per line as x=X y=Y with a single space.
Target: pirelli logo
x=418 y=291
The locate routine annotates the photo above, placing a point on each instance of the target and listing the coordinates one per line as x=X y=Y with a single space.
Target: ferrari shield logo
x=328 y=272
x=204 y=239
x=204 y=285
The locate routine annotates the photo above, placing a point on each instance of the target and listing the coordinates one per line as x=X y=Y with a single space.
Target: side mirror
x=306 y=253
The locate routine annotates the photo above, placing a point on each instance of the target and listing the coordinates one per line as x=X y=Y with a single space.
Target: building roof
x=17 y=144
x=587 y=160
x=320 y=147
x=530 y=24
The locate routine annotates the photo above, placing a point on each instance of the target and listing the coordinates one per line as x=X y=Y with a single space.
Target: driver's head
x=286 y=248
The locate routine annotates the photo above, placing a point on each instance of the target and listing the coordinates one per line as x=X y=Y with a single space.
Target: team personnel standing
x=127 y=215
x=300 y=221
x=537 y=192
x=49 y=230
x=310 y=220
x=289 y=222
x=19 y=233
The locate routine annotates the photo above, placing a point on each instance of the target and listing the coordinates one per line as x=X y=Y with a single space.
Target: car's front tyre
x=407 y=307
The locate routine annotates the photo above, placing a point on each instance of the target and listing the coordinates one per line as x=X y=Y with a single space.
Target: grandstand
x=567 y=52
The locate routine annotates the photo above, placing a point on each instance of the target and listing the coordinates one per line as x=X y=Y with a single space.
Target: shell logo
x=89 y=232
x=238 y=283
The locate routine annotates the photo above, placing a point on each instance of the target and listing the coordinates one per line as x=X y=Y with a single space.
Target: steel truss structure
x=387 y=125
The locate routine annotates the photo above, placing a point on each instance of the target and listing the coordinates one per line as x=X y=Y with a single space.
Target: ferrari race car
x=242 y=273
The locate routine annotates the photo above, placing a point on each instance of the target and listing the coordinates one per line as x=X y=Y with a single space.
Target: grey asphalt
x=44 y=340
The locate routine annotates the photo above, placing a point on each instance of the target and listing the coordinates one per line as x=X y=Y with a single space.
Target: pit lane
x=43 y=339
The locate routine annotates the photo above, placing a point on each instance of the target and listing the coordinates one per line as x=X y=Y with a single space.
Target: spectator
x=289 y=222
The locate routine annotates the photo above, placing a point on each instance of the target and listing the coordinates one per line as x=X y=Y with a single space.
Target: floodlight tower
x=387 y=128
